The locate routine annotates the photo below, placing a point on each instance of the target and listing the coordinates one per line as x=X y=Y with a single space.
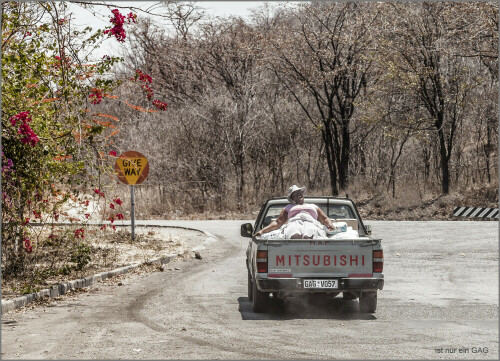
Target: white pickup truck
x=343 y=263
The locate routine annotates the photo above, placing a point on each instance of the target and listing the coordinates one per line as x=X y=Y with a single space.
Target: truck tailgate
x=317 y=258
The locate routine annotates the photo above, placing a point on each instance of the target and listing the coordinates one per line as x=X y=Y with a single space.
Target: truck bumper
x=296 y=285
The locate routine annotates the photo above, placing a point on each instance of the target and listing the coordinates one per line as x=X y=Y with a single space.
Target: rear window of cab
x=335 y=211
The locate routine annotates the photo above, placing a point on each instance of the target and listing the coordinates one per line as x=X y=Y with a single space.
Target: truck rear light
x=262 y=261
x=378 y=267
x=262 y=254
x=262 y=267
x=378 y=261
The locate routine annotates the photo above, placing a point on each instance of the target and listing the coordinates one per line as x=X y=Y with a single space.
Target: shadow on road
x=305 y=307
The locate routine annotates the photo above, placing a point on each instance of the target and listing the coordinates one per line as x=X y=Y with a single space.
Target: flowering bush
x=53 y=146
x=49 y=137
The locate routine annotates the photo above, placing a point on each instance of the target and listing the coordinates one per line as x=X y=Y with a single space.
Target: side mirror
x=246 y=230
x=368 y=230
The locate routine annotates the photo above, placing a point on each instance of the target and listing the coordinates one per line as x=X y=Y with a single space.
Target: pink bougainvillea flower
x=87 y=215
x=112 y=206
x=80 y=233
x=119 y=216
x=132 y=17
x=28 y=135
x=23 y=117
x=101 y=194
x=118 y=20
x=160 y=105
x=143 y=76
x=112 y=153
x=96 y=96
x=27 y=245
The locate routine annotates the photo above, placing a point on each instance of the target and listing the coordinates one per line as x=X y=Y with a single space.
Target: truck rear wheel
x=250 y=286
x=368 y=302
x=260 y=300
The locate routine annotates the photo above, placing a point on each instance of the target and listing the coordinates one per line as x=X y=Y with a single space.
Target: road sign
x=132 y=167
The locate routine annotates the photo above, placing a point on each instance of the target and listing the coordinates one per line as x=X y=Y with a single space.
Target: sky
x=215 y=8
x=101 y=16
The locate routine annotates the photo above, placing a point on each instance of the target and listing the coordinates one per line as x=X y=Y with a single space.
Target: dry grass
x=412 y=203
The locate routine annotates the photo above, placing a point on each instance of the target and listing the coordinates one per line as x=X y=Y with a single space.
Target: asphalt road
x=440 y=301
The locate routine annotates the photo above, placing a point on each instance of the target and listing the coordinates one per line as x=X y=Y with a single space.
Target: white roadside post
x=132 y=168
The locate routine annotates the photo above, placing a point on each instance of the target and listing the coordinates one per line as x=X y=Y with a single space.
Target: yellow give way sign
x=132 y=167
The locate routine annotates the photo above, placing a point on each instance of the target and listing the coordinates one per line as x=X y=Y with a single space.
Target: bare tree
x=440 y=79
x=320 y=56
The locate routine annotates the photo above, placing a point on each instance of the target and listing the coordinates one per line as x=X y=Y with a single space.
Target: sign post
x=132 y=212
x=132 y=168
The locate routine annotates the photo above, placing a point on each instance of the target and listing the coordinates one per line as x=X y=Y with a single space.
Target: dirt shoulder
x=108 y=251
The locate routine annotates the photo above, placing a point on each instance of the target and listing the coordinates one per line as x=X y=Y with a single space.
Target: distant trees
x=386 y=97
x=428 y=59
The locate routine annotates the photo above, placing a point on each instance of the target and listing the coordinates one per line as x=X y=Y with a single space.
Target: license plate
x=321 y=284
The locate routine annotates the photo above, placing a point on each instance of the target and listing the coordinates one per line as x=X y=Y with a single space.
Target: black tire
x=260 y=300
x=250 y=286
x=368 y=302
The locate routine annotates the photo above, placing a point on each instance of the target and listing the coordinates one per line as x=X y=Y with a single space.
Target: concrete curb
x=62 y=288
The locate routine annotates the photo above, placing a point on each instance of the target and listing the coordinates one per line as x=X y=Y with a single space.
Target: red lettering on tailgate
x=318 y=260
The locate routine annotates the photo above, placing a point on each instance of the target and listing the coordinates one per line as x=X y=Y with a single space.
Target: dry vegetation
x=100 y=251
x=410 y=204
x=339 y=97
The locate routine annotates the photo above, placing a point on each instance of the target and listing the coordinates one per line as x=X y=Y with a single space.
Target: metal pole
x=132 y=212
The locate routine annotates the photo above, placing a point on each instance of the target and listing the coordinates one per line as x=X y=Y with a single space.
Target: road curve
x=440 y=301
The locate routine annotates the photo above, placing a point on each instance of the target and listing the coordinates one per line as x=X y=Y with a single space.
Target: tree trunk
x=344 y=157
x=329 y=147
x=445 y=172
